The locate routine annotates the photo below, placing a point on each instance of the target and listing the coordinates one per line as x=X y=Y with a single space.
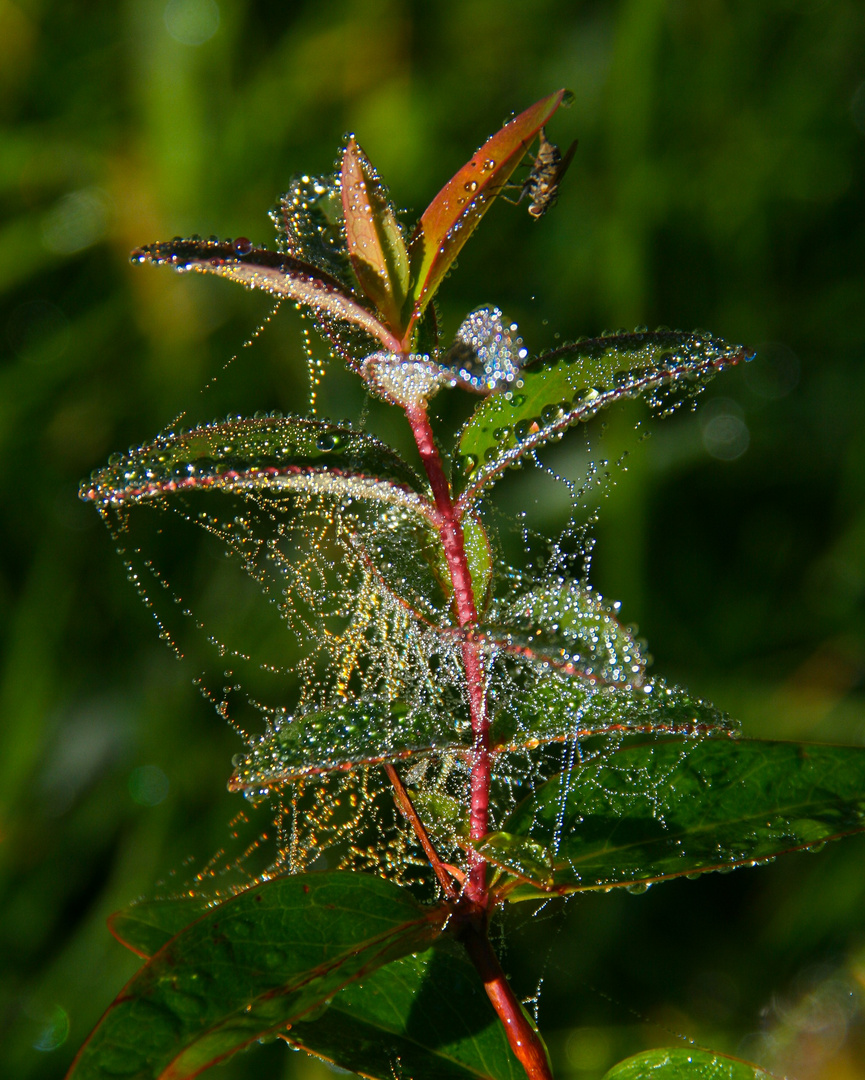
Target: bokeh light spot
x=148 y=785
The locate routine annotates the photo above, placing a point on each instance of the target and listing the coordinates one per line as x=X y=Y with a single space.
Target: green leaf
x=428 y=1014
x=374 y=238
x=345 y=736
x=684 y=1063
x=568 y=624
x=274 y=272
x=429 y=1009
x=146 y=926
x=572 y=384
x=552 y=708
x=250 y=967
x=310 y=226
x=271 y=454
x=652 y=812
x=479 y=556
x=451 y=217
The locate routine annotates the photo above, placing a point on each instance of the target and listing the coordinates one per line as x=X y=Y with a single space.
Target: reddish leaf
x=375 y=242
x=280 y=275
x=451 y=217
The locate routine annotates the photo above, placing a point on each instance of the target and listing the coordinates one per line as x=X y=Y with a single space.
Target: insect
x=542 y=183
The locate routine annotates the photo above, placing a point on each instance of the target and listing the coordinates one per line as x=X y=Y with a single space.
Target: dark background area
x=719 y=182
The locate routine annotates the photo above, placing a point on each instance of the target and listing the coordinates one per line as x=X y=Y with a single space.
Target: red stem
x=407 y=806
x=453 y=542
x=524 y=1040
x=471 y=911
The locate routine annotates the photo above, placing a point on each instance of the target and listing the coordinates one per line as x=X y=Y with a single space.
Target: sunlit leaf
x=375 y=241
x=572 y=384
x=651 y=812
x=684 y=1063
x=450 y=218
x=278 y=274
x=343 y=737
x=427 y=1013
x=270 y=454
x=567 y=623
x=556 y=708
x=310 y=226
x=251 y=967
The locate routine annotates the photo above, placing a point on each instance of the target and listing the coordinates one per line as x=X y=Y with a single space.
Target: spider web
x=295 y=604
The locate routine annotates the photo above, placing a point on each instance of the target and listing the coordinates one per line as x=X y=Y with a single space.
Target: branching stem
x=407 y=806
x=453 y=542
x=471 y=907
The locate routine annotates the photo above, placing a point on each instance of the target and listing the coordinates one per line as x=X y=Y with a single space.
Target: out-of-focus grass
x=719 y=182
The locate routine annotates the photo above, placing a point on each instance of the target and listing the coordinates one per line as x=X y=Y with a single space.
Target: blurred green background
x=719 y=182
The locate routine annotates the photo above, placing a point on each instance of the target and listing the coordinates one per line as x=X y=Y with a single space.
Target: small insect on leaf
x=542 y=183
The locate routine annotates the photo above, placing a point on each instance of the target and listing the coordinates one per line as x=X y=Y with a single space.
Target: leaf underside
x=684 y=1063
x=570 y=385
x=373 y=236
x=652 y=812
x=249 y=968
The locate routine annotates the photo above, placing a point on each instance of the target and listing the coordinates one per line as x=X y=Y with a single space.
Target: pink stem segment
x=453 y=542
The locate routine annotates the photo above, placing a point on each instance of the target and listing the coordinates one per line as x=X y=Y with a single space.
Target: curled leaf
x=374 y=238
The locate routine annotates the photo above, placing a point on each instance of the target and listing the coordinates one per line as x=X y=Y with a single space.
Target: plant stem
x=524 y=1040
x=453 y=543
x=407 y=806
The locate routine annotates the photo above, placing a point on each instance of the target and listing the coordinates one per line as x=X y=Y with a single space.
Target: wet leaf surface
x=684 y=1063
x=249 y=968
x=559 y=709
x=271 y=271
x=272 y=454
x=451 y=217
x=651 y=812
x=346 y=736
x=572 y=384
x=374 y=238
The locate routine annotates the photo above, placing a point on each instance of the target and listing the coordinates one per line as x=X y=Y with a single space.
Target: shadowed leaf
x=147 y=926
x=249 y=968
x=451 y=217
x=427 y=1011
x=273 y=272
x=571 y=385
x=685 y=1063
x=652 y=812
x=375 y=241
